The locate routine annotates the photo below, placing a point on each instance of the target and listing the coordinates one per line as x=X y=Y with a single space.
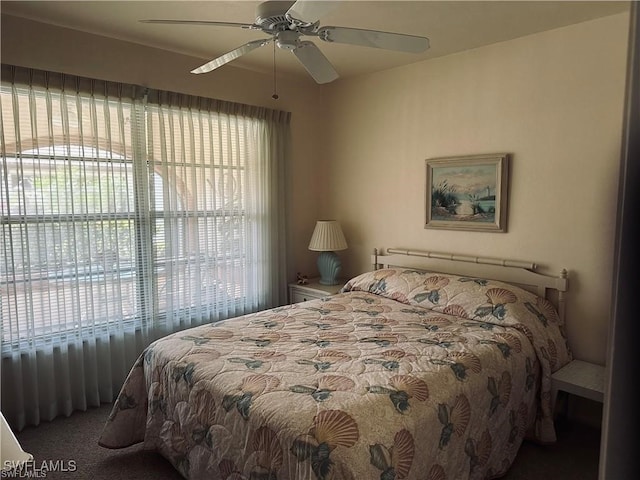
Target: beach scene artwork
x=464 y=193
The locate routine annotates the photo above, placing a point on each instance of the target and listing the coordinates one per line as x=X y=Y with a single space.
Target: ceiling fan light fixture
x=288 y=40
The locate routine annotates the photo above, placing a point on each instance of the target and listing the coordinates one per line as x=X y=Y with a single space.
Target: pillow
x=487 y=301
x=475 y=298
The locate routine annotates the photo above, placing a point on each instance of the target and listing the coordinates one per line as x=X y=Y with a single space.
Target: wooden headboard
x=522 y=274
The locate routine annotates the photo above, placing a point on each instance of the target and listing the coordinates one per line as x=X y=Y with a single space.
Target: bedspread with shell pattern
x=403 y=375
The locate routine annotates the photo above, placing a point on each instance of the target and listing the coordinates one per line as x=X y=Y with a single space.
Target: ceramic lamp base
x=329 y=266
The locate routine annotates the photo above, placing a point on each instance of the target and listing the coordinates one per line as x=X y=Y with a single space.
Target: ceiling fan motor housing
x=272 y=16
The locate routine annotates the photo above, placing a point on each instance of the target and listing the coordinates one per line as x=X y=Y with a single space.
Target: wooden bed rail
x=463 y=258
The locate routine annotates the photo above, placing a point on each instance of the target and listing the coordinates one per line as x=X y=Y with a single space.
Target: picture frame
x=467 y=192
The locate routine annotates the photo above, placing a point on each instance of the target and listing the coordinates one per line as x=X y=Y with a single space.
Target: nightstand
x=579 y=378
x=312 y=290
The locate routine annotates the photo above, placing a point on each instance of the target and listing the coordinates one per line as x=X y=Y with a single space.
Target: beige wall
x=553 y=100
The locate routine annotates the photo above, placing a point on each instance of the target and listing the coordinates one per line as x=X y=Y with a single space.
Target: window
x=69 y=240
x=125 y=214
x=128 y=213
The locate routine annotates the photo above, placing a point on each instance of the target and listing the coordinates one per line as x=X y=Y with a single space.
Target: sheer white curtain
x=126 y=214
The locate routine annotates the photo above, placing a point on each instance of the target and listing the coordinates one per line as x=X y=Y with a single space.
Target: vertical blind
x=126 y=214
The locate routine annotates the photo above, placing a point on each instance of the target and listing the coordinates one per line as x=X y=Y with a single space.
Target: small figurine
x=302 y=279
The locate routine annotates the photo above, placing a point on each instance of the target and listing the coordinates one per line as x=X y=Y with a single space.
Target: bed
x=431 y=366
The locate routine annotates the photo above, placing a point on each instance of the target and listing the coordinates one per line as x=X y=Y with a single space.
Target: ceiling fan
x=287 y=21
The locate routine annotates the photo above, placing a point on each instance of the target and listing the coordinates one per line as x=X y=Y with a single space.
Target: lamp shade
x=327 y=237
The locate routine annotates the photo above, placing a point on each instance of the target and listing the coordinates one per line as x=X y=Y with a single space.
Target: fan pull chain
x=275 y=80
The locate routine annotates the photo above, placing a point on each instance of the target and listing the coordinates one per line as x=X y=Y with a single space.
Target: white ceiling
x=451 y=26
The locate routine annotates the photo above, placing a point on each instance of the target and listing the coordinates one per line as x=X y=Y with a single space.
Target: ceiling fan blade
x=232 y=55
x=373 y=38
x=202 y=22
x=315 y=62
x=310 y=11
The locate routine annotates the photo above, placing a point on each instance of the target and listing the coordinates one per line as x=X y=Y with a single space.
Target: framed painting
x=467 y=193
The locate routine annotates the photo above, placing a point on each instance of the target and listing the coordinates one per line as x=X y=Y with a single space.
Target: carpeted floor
x=69 y=446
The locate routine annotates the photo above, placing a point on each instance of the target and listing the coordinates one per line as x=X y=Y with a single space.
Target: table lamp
x=327 y=238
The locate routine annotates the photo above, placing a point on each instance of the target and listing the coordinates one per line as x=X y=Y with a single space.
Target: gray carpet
x=70 y=446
